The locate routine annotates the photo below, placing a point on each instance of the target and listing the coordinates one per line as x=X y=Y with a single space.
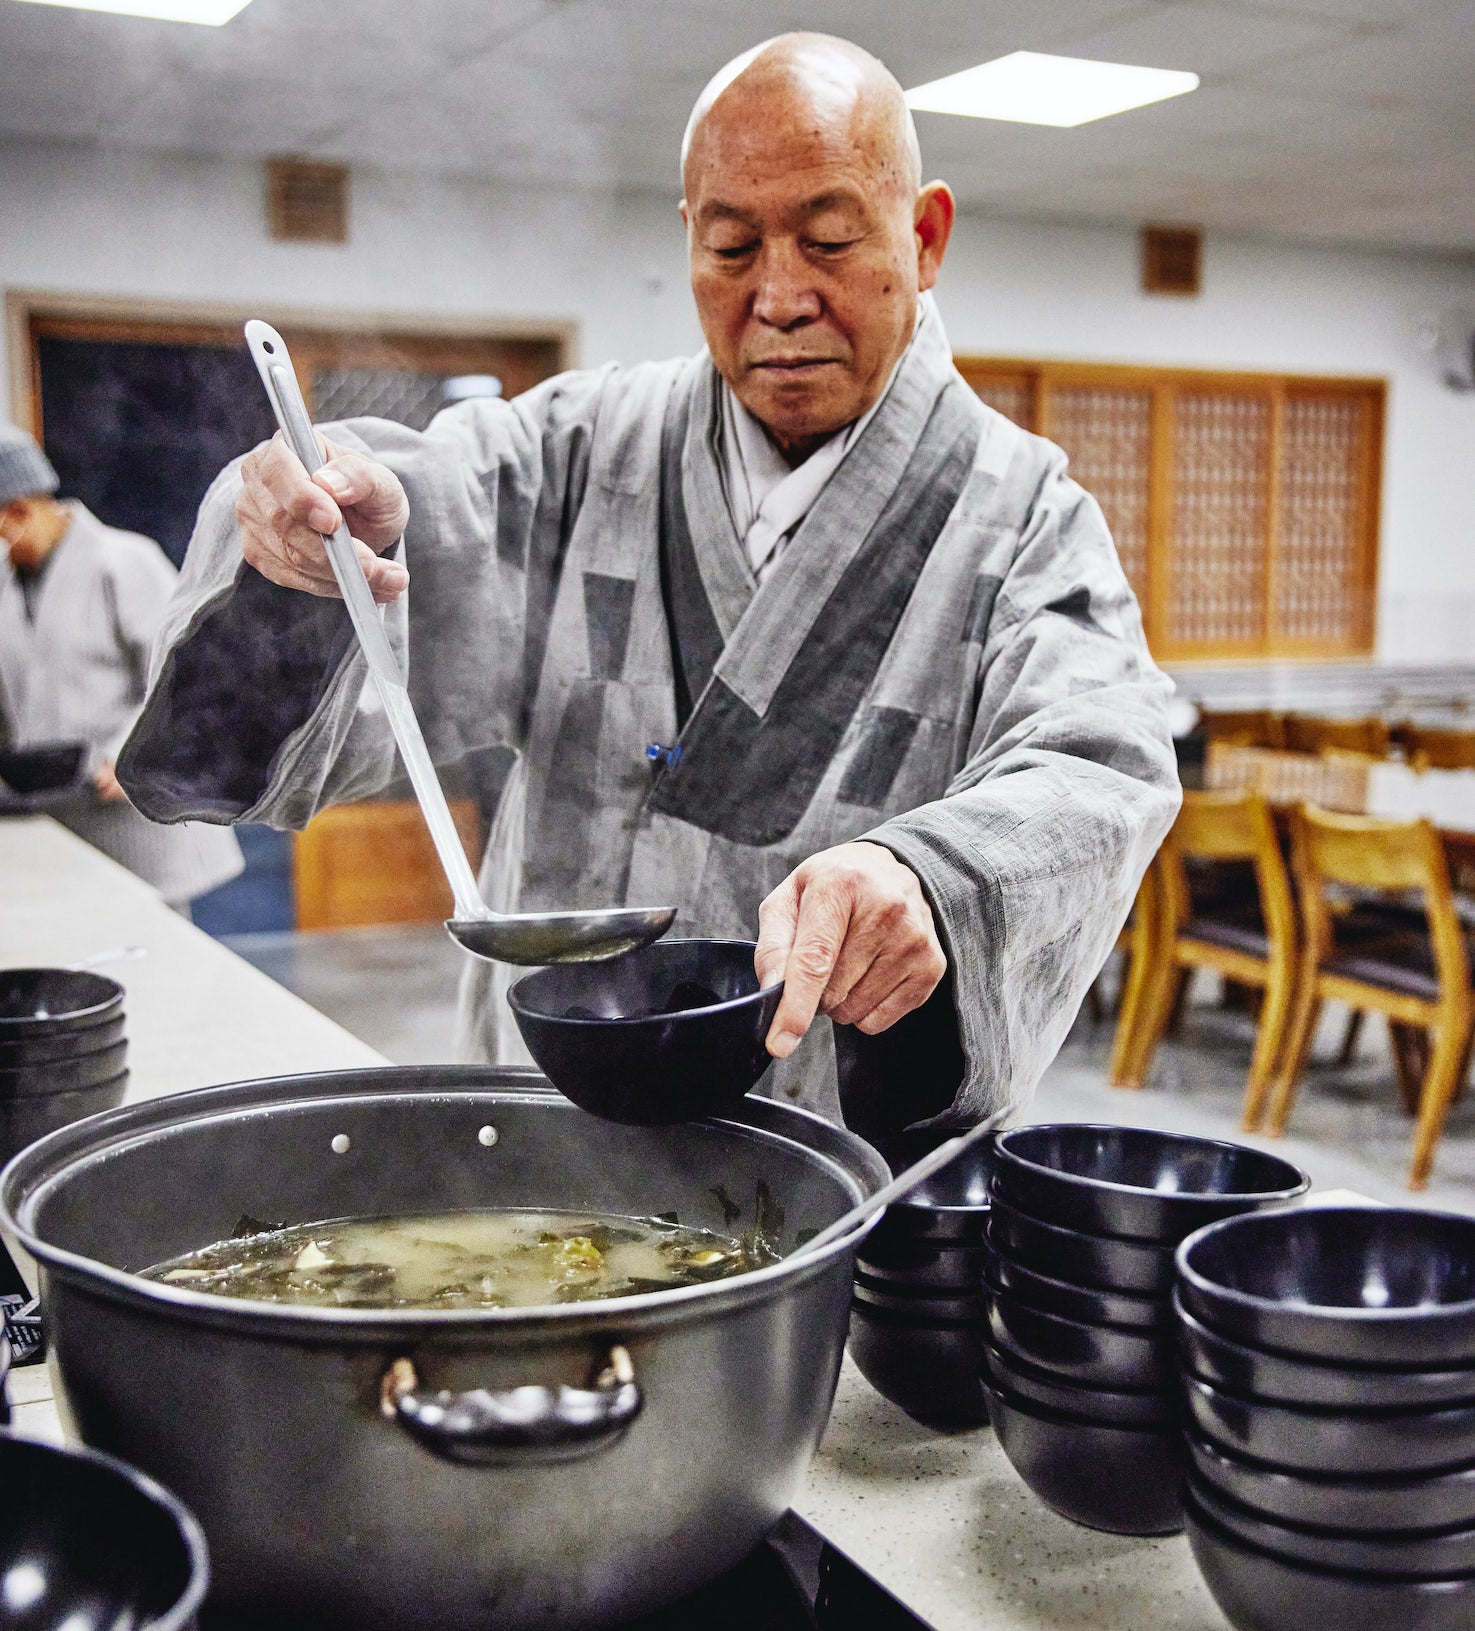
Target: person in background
x=80 y=604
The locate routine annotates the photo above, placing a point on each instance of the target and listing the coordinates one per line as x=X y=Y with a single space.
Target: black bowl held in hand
x=86 y=1541
x=42 y=767
x=1415 y=1501
x=1258 y=1591
x=1125 y=1480
x=1257 y=1373
x=931 y=1368
x=1136 y=1182
x=1380 y=1286
x=671 y=1032
x=1135 y=1267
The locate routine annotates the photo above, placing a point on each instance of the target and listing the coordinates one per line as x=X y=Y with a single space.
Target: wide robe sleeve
x=1032 y=858
x=140 y=580
x=257 y=708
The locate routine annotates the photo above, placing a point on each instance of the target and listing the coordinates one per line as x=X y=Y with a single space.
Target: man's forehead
x=732 y=203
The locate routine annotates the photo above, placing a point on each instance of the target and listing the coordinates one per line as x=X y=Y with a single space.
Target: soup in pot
x=501 y=1258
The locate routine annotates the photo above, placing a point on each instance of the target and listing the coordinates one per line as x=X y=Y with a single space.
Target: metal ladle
x=520 y=937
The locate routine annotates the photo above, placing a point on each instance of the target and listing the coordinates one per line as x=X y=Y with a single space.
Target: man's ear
x=933 y=223
x=685 y=214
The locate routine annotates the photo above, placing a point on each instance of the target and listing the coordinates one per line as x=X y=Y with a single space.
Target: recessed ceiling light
x=1032 y=89
x=213 y=12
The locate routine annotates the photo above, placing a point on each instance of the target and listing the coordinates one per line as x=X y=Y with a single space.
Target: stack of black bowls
x=919 y=1316
x=1329 y=1372
x=1080 y=1366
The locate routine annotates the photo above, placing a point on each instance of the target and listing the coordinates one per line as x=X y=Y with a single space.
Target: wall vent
x=1172 y=260
x=307 y=201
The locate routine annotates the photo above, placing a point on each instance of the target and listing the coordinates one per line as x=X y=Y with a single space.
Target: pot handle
x=484 y=1429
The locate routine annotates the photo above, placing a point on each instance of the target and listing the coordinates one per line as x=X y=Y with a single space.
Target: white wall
x=161 y=227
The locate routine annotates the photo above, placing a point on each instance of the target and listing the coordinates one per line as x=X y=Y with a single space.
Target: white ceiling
x=1343 y=120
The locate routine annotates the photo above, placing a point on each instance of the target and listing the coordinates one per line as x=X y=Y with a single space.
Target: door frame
x=181 y=322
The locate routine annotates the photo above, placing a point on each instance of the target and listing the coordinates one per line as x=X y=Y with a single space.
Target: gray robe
x=947 y=661
x=77 y=674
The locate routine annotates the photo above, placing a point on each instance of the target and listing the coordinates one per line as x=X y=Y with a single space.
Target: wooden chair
x=1136 y=945
x=1249 y=938
x=1427 y=748
x=1306 y=733
x=1412 y=967
x=1248 y=728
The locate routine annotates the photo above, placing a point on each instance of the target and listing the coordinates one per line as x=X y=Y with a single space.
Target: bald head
x=818 y=79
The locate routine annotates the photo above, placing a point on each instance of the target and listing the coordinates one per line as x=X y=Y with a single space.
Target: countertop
x=940 y=1519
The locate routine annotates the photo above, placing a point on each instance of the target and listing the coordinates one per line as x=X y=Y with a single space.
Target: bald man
x=796 y=633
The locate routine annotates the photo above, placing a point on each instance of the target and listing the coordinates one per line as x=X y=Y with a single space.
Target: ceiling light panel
x=1029 y=88
x=211 y=12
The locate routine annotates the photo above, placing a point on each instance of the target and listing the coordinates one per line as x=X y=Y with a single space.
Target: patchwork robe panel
x=947 y=660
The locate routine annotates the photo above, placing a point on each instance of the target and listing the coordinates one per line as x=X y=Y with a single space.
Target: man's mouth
x=794 y=365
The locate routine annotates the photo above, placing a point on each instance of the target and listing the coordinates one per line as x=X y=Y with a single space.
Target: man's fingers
x=908 y=995
x=368 y=492
x=777 y=918
x=818 y=936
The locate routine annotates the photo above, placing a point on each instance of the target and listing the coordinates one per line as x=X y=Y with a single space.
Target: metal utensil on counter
x=902 y=1184
x=521 y=937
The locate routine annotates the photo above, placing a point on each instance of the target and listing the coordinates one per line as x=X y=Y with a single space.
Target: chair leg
x=1275 y=1009
x=1348 y=1051
x=1179 y=1003
x=1095 y=1008
x=1130 y=1010
x=1293 y=1061
x=1409 y=1067
x=1439 y=1089
x=1160 y=989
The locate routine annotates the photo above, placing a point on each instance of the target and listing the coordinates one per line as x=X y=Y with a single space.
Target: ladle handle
x=902 y=1184
x=274 y=364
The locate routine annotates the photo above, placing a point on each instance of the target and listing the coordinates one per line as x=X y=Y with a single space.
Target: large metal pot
x=567 y=1467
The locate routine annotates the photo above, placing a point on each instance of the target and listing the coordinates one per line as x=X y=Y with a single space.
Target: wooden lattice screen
x=1244 y=507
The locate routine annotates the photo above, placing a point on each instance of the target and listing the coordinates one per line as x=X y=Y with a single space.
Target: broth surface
x=504 y=1258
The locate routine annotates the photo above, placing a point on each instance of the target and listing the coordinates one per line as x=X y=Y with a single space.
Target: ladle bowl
x=670 y=1032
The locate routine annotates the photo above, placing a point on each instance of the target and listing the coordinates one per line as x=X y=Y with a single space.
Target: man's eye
x=831 y=247
x=732 y=252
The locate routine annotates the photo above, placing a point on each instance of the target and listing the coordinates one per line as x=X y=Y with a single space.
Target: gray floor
x=396 y=989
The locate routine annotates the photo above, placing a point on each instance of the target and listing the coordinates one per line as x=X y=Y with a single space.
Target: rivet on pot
x=340 y=1143
x=487 y=1136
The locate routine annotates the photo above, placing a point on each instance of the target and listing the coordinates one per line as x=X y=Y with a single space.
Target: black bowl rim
x=188 y=1605
x=1192 y=1197
x=1063 y=1418
x=8 y=1071
x=1250 y=1303
x=1159 y=1304
x=1190 y=1321
x=1205 y=1521
x=1098 y=1237
x=1373 y=1417
x=1057 y=1379
x=1160 y=1337
x=1390 y=1483
x=727 y=1005
x=77 y=1018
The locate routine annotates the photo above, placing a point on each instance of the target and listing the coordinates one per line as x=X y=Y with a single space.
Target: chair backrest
x=1250 y=728
x=1307 y=733
x=1428 y=748
x=1235 y=826
x=1386 y=857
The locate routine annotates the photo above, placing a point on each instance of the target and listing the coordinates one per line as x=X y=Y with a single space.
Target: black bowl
x=1259 y=1374
x=1093 y=1355
x=922 y=1264
x=1333 y=1442
x=1444 y=1500
x=1354 y=1284
x=1126 y=1480
x=1073 y=1302
x=922 y=1303
x=25 y=1119
x=96 y=1542
x=1416 y=1557
x=46 y=1050
x=1135 y=1182
x=1080 y=1257
x=1105 y=1406
x=64 y=1075
x=671 y=1032
x=1258 y=1592
x=54 y=1001
x=42 y=767
x=931 y=1369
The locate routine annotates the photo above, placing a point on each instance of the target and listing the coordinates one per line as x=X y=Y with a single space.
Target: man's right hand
x=283 y=513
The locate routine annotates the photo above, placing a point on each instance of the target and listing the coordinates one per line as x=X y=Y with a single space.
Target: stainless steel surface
x=521 y=937
x=269 y=1421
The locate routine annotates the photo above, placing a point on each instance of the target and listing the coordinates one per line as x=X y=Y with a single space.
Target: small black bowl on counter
x=1329 y=1378
x=86 y=1541
x=1085 y=1224
x=918 y=1320
x=673 y=1031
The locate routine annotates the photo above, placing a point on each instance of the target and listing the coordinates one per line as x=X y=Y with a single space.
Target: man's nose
x=785 y=296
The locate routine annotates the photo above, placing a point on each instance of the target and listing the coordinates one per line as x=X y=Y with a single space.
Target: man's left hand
x=109 y=788
x=850 y=933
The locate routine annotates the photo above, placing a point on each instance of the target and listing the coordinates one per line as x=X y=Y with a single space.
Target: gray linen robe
x=947 y=660
x=78 y=674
